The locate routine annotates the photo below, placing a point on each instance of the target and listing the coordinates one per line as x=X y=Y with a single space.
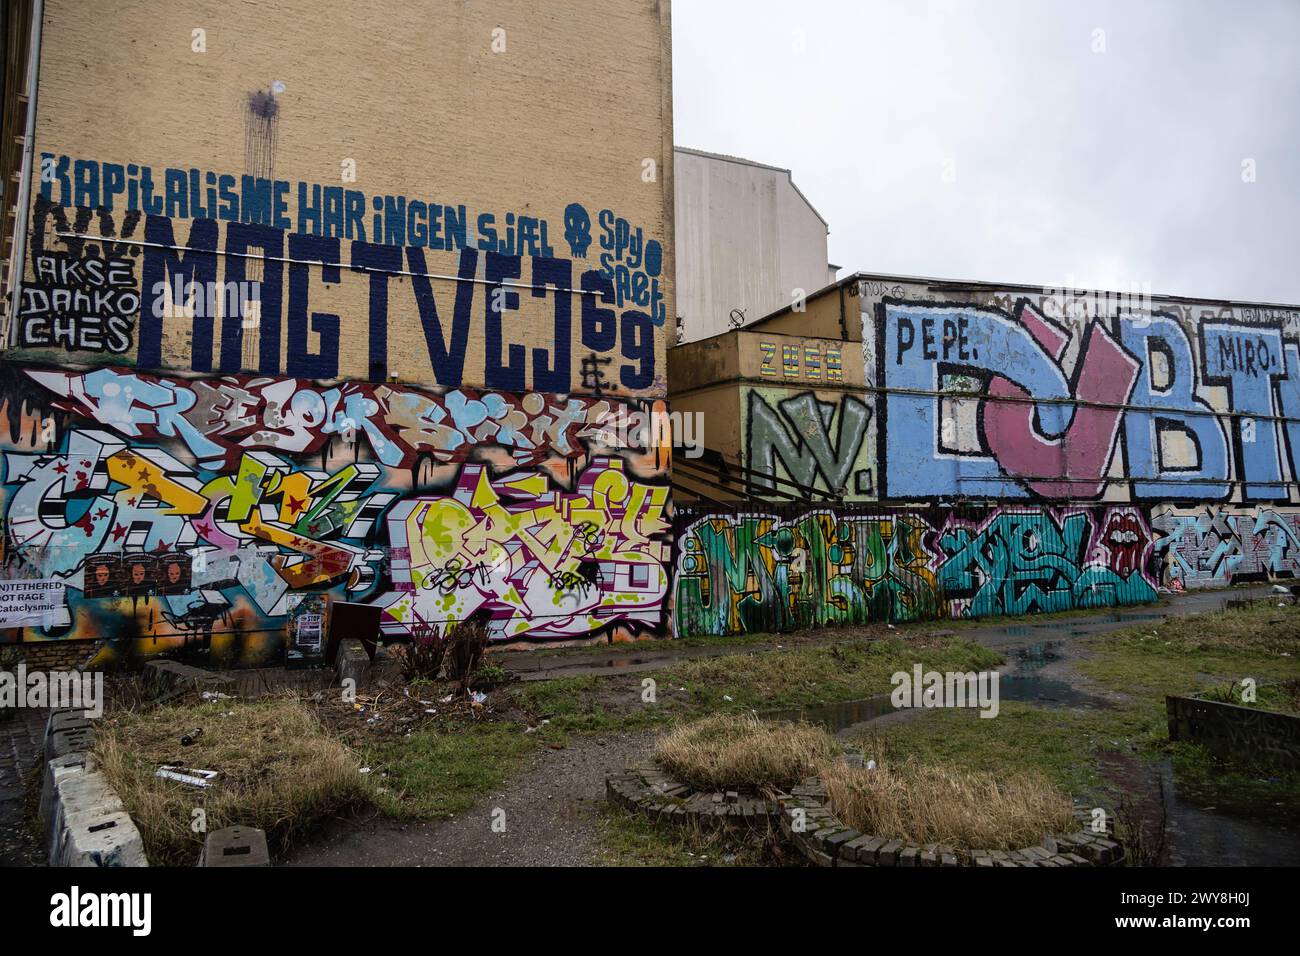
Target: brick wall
x=58 y=655
x=306 y=281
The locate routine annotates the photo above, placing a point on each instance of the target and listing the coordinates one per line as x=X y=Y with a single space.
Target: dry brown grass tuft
x=922 y=803
x=741 y=752
x=278 y=769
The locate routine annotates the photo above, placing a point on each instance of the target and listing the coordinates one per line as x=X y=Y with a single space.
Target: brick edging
x=826 y=841
x=646 y=789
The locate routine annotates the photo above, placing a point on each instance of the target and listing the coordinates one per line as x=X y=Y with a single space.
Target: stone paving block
x=79 y=795
x=235 y=846
x=888 y=855
x=352 y=662
x=100 y=840
x=64 y=742
x=55 y=771
x=61 y=720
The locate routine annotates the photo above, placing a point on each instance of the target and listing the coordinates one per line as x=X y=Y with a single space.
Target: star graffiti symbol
x=101 y=513
x=145 y=474
x=296 y=504
x=61 y=468
x=163 y=547
x=118 y=532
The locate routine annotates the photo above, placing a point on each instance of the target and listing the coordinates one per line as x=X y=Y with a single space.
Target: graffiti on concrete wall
x=739 y=573
x=759 y=572
x=217 y=420
x=1216 y=547
x=208 y=272
x=197 y=513
x=1022 y=561
x=808 y=361
x=819 y=441
x=982 y=403
x=542 y=563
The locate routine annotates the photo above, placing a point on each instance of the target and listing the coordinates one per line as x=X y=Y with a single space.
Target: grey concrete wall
x=746 y=239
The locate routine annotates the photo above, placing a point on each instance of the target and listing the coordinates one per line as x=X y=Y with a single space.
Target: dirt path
x=549 y=808
x=602 y=660
x=21 y=737
x=549 y=818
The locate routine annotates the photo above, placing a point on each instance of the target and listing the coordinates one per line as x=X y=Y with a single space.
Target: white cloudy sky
x=1112 y=168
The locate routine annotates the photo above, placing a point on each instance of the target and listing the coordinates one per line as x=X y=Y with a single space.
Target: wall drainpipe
x=22 y=224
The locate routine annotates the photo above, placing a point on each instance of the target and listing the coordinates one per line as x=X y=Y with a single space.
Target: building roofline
x=1028 y=286
x=1014 y=287
x=740 y=160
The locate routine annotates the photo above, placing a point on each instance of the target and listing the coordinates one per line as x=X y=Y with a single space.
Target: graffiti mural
x=217 y=420
x=1216 y=547
x=542 y=563
x=1019 y=561
x=746 y=573
x=1047 y=451
x=982 y=403
x=205 y=271
x=815 y=440
x=196 y=514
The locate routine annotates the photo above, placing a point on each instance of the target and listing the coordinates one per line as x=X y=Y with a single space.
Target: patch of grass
x=630 y=839
x=1059 y=743
x=741 y=752
x=279 y=771
x=937 y=803
x=1238 y=789
x=1186 y=655
x=1281 y=697
x=442 y=771
x=740 y=682
x=589 y=705
x=794 y=678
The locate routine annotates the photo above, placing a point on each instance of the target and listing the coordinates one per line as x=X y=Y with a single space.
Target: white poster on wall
x=39 y=603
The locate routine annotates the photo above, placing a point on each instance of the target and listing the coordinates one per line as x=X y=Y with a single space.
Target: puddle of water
x=1040 y=690
x=838 y=716
x=1220 y=830
x=1022 y=683
x=1036 y=655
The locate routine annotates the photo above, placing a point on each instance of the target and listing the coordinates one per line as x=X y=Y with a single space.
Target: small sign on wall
x=307 y=630
x=35 y=603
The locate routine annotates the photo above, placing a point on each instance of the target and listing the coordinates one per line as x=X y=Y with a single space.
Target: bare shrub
x=466 y=644
x=423 y=656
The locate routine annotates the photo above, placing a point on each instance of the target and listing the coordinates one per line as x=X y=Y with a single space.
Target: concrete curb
x=85 y=821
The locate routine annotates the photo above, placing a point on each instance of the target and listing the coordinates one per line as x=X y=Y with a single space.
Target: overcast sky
x=1115 y=167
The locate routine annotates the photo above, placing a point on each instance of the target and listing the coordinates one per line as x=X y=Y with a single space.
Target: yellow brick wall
x=509 y=108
